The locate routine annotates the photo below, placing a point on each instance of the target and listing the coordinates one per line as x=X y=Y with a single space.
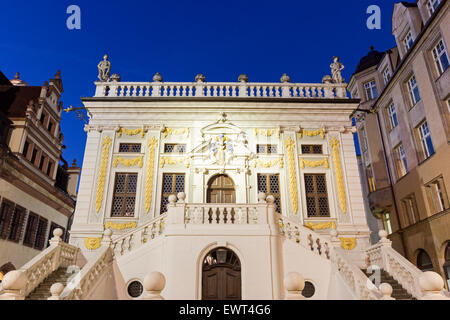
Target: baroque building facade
x=37 y=192
x=404 y=130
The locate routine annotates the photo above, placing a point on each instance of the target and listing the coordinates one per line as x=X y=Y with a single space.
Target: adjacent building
x=37 y=187
x=403 y=124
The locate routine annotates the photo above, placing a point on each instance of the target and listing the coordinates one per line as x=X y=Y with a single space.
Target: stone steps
x=42 y=292
x=398 y=292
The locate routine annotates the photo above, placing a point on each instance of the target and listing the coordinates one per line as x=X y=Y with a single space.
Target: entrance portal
x=221 y=279
x=221 y=190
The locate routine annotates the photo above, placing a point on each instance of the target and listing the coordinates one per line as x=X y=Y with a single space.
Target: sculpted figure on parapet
x=104 y=69
x=336 y=69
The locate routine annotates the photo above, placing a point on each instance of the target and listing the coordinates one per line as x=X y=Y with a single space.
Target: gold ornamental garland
x=167 y=131
x=120 y=226
x=268 y=132
x=129 y=162
x=269 y=163
x=314 y=164
x=106 y=144
x=311 y=133
x=152 y=143
x=173 y=161
x=130 y=132
x=339 y=176
x=290 y=144
x=320 y=225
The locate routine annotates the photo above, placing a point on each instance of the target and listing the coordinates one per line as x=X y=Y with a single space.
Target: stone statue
x=104 y=68
x=336 y=68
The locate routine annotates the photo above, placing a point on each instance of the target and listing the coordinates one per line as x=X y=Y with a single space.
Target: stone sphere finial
x=386 y=290
x=181 y=197
x=154 y=283
x=14 y=280
x=243 y=78
x=58 y=232
x=261 y=197
x=157 y=77
x=172 y=199
x=200 y=78
x=431 y=281
x=294 y=283
x=115 y=78
x=56 y=289
x=285 y=78
x=270 y=199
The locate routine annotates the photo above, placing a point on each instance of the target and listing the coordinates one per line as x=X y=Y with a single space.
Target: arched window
x=424 y=261
x=447 y=264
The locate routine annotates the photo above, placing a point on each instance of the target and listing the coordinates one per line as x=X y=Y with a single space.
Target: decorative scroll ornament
x=152 y=143
x=311 y=133
x=176 y=132
x=129 y=162
x=120 y=226
x=130 y=132
x=339 y=176
x=173 y=161
x=314 y=164
x=321 y=225
x=268 y=132
x=92 y=243
x=106 y=144
x=348 y=243
x=290 y=144
x=269 y=163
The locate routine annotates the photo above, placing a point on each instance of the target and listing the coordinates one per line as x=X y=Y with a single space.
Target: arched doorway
x=424 y=261
x=221 y=190
x=221 y=275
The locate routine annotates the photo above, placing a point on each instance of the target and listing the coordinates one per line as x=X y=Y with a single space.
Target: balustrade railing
x=221 y=89
x=222 y=213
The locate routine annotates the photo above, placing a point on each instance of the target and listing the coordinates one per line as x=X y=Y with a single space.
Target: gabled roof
x=371 y=59
x=14 y=99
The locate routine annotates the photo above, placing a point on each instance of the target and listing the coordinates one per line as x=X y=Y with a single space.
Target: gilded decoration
x=269 y=163
x=106 y=144
x=267 y=132
x=321 y=225
x=176 y=132
x=314 y=164
x=130 y=132
x=174 y=161
x=120 y=226
x=348 y=243
x=338 y=171
x=152 y=143
x=129 y=162
x=92 y=243
x=290 y=145
x=311 y=133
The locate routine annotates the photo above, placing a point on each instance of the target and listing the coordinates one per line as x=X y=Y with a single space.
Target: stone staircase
x=399 y=293
x=42 y=292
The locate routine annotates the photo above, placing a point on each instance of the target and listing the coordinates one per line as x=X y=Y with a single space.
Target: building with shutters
x=37 y=187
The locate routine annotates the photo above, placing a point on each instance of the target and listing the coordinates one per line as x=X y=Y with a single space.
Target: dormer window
x=408 y=41
x=432 y=6
x=413 y=90
x=387 y=75
x=440 y=57
x=371 y=90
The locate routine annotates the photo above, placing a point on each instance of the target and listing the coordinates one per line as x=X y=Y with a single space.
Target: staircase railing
x=57 y=255
x=407 y=274
x=361 y=286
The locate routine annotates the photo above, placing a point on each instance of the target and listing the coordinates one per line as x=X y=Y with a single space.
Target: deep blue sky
x=179 y=39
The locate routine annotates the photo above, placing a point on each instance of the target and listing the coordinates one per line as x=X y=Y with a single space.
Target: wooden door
x=221 y=190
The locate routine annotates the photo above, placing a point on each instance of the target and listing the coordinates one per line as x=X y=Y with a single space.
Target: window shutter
x=33 y=230
x=21 y=213
x=5 y=219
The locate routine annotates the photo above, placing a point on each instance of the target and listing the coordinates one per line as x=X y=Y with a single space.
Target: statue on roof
x=336 y=68
x=104 y=68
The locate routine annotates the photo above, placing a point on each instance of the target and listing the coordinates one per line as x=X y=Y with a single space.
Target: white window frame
x=408 y=41
x=393 y=116
x=438 y=51
x=369 y=87
x=412 y=85
x=387 y=75
x=424 y=133
x=401 y=160
x=432 y=6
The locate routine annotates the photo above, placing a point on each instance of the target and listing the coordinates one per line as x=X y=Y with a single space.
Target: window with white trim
x=392 y=114
x=413 y=90
x=437 y=195
x=409 y=205
x=401 y=163
x=432 y=6
x=371 y=90
x=408 y=41
x=370 y=179
x=425 y=140
x=387 y=75
x=440 y=57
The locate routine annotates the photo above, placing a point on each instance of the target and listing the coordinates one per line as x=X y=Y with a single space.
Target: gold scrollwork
x=269 y=163
x=290 y=145
x=311 y=133
x=173 y=161
x=338 y=171
x=152 y=143
x=92 y=243
x=106 y=144
x=348 y=243
x=183 y=131
x=120 y=226
x=314 y=164
x=267 y=132
x=320 y=225
x=130 y=132
x=129 y=162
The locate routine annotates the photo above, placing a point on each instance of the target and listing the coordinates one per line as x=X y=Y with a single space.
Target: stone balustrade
x=221 y=90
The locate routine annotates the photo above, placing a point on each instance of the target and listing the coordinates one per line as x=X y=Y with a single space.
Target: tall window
x=124 y=198
x=408 y=41
x=387 y=75
x=437 y=195
x=424 y=262
x=392 y=114
x=413 y=90
x=440 y=57
x=400 y=161
x=36 y=231
x=41 y=233
x=173 y=183
x=266 y=148
x=270 y=185
x=409 y=204
x=425 y=140
x=316 y=195
x=432 y=6
x=6 y=212
x=370 y=178
x=371 y=90
x=26 y=146
x=387 y=223
x=16 y=224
